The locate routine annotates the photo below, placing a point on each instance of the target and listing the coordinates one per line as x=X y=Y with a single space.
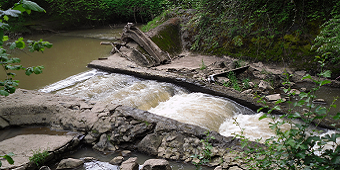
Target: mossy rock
x=167 y=36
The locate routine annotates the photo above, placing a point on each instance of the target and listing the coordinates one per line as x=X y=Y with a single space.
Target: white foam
x=70 y=81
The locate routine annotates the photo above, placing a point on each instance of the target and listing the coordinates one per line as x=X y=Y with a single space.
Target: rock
x=89 y=159
x=156 y=164
x=295 y=91
x=117 y=160
x=130 y=164
x=85 y=106
x=23 y=147
x=263 y=85
x=235 y=168
x=150 y=144
x=89 y=139
x=249 y=91
x=98 y=108
x=303 y=89
x=222 y=80
x=300 y=73
x=218 y=168
x=3 y=123
x=45 y=168
x=125 y=152
x=104 y=144
x=319 y=101
x=273 y=97
x=70 y=163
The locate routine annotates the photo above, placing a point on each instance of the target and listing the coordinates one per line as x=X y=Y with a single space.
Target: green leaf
x=324 y=82
x=37 y=70
x=263 y=116
x=5 y=38
x=19 y=8
x=20 y=43
x=1 y=36
x=13 y=46
x=307 y=76
x=11 y=12
x=29 y=5
x=4 y=93
x=9 y=159
x=326 y=73
x=6 y=18
x=29 y=71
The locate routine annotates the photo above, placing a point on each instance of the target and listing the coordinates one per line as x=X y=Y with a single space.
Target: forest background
x=289 y=32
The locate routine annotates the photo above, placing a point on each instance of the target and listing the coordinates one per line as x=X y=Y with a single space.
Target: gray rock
x=295 y=91
x=104 y=144
x=69 y=163
x=319 y=101
x=263 y=85
x=218 y=168
x=98 y=108
x=45 y=168
x=247 y=91
x=130 y=164
x=117 y=160
x=125 y=152
x=273 y=97
x=150 y=144
x=89 y=159
x=89 y=139
x=3 y=123
x=156 y=164
x=235 y=168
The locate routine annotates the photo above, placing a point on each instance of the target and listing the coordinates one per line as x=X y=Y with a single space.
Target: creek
x=66 y=73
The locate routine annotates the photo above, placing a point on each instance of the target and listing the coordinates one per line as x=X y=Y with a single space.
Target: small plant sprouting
x=205 y=156
x=232 y=82
x=39 y=157
x=203 y=66
x=246 y=84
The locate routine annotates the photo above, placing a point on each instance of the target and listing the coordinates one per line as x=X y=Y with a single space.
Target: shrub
x=302 y=146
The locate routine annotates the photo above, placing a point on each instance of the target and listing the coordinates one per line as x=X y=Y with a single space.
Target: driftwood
x=132 y=32
x=236 y=71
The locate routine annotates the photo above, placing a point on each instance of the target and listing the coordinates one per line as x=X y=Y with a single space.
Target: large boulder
x=69 y=163
x=156 y=164
x=150 y=144
x=130 y=164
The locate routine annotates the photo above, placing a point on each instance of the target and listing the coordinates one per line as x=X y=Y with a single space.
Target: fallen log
x=236 y=71
x=132 y=32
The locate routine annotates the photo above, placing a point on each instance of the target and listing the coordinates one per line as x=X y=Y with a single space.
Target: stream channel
x=66 y=73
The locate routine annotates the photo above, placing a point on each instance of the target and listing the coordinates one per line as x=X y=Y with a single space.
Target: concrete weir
x=108 y=128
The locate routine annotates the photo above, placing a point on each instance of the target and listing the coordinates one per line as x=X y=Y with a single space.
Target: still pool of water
x=70 y=54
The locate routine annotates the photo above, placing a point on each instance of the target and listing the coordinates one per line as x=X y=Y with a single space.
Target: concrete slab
x=23 y=147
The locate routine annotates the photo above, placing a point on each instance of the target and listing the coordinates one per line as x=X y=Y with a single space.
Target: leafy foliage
x=39 y=157
x=301 y=146
x=206 y=152
x=9 y=85
x=328 y=41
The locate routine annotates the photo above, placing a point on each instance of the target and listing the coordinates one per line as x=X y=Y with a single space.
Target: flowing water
x=66 y=73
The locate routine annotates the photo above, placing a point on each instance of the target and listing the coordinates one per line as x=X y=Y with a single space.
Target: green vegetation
x=203 y=66
x=301 y=146
x=39 y=157
x=233 y=82
x=206 y=153
x=8 y=158
x=8 y=86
